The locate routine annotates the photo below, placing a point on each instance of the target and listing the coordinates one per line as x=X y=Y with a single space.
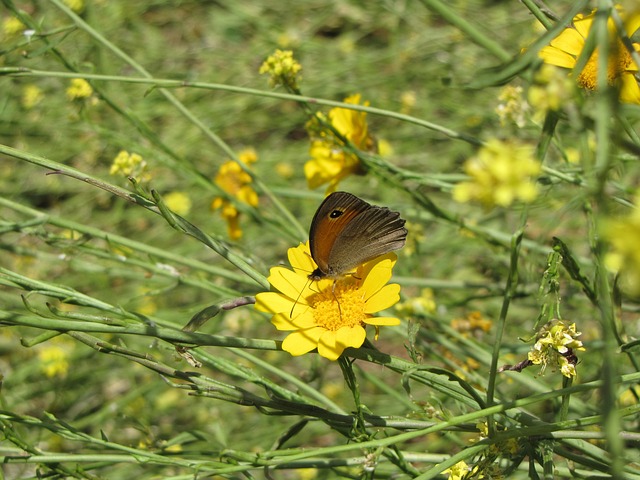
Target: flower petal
x=554 y=56
x=350 y=337
x=569 y=41
x=303 y=341
x=328 y=347
x=629 y=89
x=289 y=283
x=376 y=273
x=382 y=321
x=384 y=298
x=282 y=321
x=272 y=302
x=300 y=259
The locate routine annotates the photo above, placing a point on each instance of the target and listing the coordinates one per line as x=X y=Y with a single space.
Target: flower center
x=618 y=63
x=339 y=305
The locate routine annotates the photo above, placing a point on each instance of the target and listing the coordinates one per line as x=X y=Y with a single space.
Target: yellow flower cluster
x=550 y=91
x=501 y=173
x=512 y=107
x=623 y=235
x=567 y=47
x=79 y=89
x=54 y=361
x=234 y=181
x=75 y=5
x=330 y=162
x=283 y=69
x=556 y=345
x=129 y=165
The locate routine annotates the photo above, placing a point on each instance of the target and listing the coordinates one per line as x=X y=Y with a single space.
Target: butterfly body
x=346 y=231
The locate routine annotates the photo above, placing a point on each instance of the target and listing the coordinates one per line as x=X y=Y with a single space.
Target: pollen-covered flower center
x=618 y=63
x=339 y=305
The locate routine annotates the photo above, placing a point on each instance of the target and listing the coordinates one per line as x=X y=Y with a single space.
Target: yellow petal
x=569 y=41
x=556 y=57
x=384 y=298
x=376 y=273
x=287 y=282
x=282 y=321
x=583 y=24
x=300 y=259
x=350 y=337
x=328 y=347
x=272 y=302
x=382 y=321
x=301 y=342
x=629 y=89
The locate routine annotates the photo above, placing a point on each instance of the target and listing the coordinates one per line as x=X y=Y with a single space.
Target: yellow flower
x=459 y=471
x=129 y=165
x=79 y=89
x=330 y=162
x=54 y=361
x=12 y=27
x=283 y=69
x=550 y=90
x=31 y=96
x=178 y=202
x=623 y=235
x=233 y=180
x=418 y=306
x=500 y=174
x=328 y=314
x=75 y=5
x=474 y=322
x=565 y=49
x=556 y=344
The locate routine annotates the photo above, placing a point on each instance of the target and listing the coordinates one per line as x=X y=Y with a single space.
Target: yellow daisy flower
x=565 y=49
x=330 y=163
x=328 y=314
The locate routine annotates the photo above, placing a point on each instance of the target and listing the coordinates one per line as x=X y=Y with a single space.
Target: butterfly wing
x=374 y=232
x=332 y=218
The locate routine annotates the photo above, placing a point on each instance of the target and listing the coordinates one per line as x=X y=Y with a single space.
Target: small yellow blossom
x=330 y=160
x=31 y=96
x=550 y=91
x=79 y=89
x=556 y=345
x=283 y=69
x=284 y=170
x=12 y=27
x=178 y=202
x=408 y=100
x=501 y=173
x=328 y=314
x=129 y=165
x=623 y=236
x=564 y=50
x=512 y=107
x=75 y=5
x=234 y=181
x=474 y=322
x=54 y=360
x=459 y=471
x=420 y=306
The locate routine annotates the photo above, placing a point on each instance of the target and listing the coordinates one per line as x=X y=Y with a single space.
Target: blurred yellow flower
x=31 y=96
x=54 y=360
x=330 y=160
x=501 y=173
x=75 y=5
x=178 y=202
x=565 y=49
x=79 y=89
x=459 y=471
x=551 y=89
x=623 y=236
x=420 y=306
x=12 y=27
x=129 y=165
x=556 y=344
x=283 y=69
x=474 y=322
x=233 y=180
x=328 y=314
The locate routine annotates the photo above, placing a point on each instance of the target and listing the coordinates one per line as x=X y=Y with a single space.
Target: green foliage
x=128 y=342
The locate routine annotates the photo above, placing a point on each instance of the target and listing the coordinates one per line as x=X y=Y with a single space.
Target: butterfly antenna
x=298 y=297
